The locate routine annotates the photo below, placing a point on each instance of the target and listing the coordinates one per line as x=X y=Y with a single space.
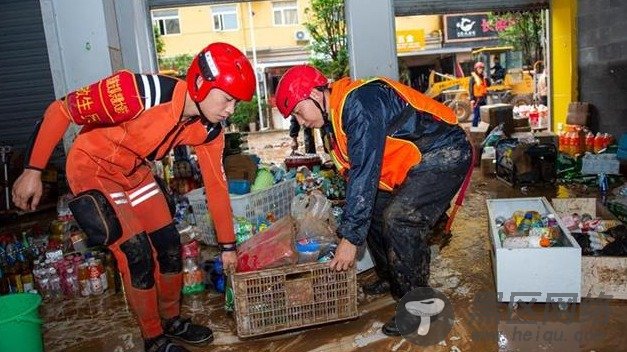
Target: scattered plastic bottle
x=55 y=284
x=95 y=280
x=192 y=273
x=42 y=282
x=83 y=279
x=71 y=283
x=603 y=186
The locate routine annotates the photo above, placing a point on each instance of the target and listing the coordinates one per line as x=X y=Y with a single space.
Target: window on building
x=167 y=21
x=224 y=17
x=285 y=13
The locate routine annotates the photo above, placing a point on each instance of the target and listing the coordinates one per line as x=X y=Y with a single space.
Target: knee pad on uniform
x=139 y=260
x=97 y=218
x=167 y=243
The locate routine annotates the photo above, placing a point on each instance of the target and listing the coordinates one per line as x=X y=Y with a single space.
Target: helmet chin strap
x=328 y=136
x=200 y=111
x=323 y=108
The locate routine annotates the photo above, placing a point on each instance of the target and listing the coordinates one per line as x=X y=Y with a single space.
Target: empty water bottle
x=55 y=284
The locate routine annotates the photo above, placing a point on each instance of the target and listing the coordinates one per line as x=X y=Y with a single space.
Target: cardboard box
x=488 y=165
x=522 y=135
x=533 y=274
x=521 y=122
x=478 y=134
x=497 y=113
x=599 y=274
x=477 y=150
x=578 y=113
x=594 y=164
x=546 y=137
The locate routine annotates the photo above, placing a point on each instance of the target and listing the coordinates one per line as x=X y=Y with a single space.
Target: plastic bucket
x=20 y=325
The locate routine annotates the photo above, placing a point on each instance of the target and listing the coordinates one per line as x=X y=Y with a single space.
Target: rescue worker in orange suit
x=478 y=90
x=404 y=157
x=128 y=119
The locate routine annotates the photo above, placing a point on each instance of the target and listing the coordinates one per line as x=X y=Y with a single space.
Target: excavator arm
x=447 y=82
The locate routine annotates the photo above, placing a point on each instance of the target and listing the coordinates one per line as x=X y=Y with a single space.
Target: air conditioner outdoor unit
x=301 y=36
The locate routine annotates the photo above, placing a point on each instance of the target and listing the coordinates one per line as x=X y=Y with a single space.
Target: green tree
x=159 y=43
x=522 y=30
x=246 y=112
x=327 y=27
x=179 y=63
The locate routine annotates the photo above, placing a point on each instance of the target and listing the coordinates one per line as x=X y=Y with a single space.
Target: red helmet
x=479 y=64
x=295 y=86
x=221 y=66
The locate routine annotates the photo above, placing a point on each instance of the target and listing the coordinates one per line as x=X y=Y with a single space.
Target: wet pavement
x=462 y=271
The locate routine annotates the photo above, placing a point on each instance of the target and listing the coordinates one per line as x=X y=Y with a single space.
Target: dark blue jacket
x=368 y=112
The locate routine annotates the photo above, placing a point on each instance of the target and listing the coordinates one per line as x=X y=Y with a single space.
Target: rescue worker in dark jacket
x=404 y=157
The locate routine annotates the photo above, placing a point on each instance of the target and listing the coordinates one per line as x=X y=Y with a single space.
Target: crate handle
x=298 y=276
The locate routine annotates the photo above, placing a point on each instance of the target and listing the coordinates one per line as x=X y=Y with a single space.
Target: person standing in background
x=478 y=90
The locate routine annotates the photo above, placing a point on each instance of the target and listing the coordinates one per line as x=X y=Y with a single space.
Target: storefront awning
x=438 y=51
x=265 y=65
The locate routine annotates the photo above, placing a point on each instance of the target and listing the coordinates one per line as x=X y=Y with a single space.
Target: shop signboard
x=410 y=40
x=470 y=27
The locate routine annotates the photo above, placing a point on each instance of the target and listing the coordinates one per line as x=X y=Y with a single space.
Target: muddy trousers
x=402 y=220
x=476 y=111
x=148 y=250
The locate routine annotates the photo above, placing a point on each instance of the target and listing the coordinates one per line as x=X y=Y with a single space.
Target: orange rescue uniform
x=112 y=159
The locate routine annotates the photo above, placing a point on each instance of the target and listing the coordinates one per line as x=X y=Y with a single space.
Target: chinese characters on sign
x=469 y=27
x=410 y=40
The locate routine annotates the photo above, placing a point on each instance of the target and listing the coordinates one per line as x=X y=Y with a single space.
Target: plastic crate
x=276 y=199
x=291 y=297
x=592 y=164
x=198 y=202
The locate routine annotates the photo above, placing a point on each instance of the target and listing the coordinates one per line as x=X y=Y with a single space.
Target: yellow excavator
x=516 y=87
x=454 y=92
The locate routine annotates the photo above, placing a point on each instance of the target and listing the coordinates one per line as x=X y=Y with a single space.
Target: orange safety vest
x=480 y=89
x=399 y=155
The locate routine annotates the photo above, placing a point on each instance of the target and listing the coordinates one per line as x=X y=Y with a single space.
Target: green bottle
x=229 y=296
